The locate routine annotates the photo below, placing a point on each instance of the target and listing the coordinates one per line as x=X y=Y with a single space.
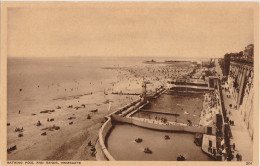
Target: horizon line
x=81 y=56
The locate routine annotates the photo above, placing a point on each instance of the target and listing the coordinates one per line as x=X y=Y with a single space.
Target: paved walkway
x=241 y=138
x=218 y=69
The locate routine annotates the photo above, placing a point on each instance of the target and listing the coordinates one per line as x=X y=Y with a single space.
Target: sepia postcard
x=129 y=83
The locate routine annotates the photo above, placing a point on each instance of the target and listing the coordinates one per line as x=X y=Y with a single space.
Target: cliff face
x=246 y=108
x=240 y=81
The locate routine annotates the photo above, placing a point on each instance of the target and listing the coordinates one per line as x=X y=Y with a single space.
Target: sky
x=128 y=31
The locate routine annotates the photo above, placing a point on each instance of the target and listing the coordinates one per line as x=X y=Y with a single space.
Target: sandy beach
x=61 y=102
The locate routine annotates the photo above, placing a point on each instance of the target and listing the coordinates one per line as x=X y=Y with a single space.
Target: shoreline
x=70 y=141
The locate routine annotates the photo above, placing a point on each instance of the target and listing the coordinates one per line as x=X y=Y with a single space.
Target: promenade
x=240 y=134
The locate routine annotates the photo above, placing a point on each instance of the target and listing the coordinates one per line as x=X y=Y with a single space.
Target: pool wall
x=179 y=128
x=103 y=132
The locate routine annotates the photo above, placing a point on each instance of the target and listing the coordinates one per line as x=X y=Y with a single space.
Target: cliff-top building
x=240 y=81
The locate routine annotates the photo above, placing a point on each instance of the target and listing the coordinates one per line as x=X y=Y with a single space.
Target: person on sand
x=238 y=157
x=19 y=111
x=38 y=123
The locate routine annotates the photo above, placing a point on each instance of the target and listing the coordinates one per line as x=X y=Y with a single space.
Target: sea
x=33 y=80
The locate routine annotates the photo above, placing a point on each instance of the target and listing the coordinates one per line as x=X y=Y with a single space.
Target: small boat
x=198 y=139
x=138 y=140
x=151 y=61
x=166 y=137
x=147 y=150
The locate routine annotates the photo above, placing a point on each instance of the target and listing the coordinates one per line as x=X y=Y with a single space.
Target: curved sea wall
x=103 y=153
x=177 y=127
x=105 y=129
